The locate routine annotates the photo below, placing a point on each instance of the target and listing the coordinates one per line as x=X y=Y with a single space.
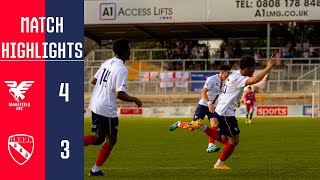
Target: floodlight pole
x=268 y=40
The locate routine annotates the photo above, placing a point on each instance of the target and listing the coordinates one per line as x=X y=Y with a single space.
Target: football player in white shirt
x=213 y=87
x=228 y=132
x=110 y=83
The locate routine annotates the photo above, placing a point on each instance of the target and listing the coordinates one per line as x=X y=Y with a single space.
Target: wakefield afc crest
x=21 y=147
x=17 y=92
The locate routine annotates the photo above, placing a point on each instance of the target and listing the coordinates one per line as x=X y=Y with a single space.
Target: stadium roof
x=174 y=31
x=181 y=31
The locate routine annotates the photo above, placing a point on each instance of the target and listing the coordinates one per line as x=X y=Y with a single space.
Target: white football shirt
x=229 y=100
x=215 y=87
x=111 y=78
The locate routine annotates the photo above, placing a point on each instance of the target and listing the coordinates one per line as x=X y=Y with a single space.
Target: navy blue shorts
x=228 y=125
x=104 y=125
x=202 y=112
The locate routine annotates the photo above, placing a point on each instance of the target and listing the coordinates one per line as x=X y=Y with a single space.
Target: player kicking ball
x=213 y=87
x=229 y=131
x=110 y=83
x=249 y=99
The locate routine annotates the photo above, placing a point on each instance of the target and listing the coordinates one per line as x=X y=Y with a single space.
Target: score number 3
x=66 y=153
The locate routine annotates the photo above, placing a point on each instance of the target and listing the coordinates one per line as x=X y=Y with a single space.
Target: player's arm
x=206 y=99
x=204 y=95
x=262 y=74
x=123 y=96
x=94 y=81
x=121 y=88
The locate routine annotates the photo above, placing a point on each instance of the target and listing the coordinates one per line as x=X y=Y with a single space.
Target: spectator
x=288 y=50
x=237 y=50
x=256 y=58
x=306 y=46
x=222 y=50
x=205 y=52
x=306 y=54
x=178 y=65
x=278 y=57
x=315 y=53
x=190 y=67
x=228 y=53
x=197 y=66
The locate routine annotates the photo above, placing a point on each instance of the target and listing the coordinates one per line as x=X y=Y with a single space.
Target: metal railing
x=136 y=54
x=289 y=86
x=144 y=54
x=299 y=71
x=312 y=74
x=153 y=87
x=212 y=64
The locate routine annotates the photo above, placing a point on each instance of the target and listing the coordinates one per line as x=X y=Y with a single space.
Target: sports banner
x=264 y=10
x=170 y=79
x=149 y=76
x=211 y=11
x=188 y=111
x=167 y=79
x=201 y=77
x=181 y=79
x=41 y=90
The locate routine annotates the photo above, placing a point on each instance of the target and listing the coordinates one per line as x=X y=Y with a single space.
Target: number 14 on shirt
x=105 y=75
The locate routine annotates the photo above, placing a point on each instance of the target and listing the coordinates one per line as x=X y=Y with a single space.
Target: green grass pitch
x=270 y=148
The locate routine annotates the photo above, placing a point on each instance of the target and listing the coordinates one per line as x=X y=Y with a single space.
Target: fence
x=149 y=54
x=212 y=64
x=274 y=86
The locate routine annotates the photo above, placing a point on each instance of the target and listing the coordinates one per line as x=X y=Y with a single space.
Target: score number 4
x=64 y=91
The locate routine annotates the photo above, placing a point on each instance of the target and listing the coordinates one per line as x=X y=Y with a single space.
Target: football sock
x=211 y=140
x=103 y=154
x=219 y=162
x=213 y=133
x=95 y=168
x=179 y=124
x=204 y=128
x=247 y=115
x=89 y=140
x=182 y=124
x=227 y=151
x=251 y=116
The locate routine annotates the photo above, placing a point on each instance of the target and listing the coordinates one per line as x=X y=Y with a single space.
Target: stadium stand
x=290 y=83
x=184 y=47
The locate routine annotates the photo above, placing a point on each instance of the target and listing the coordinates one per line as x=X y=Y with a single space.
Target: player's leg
x=247 y=113
x=200 y=113
x=229 y=127
x=224 y=139
x=104 y=153
x=98 y=138
x=198 y=124
x=227 y=152
x=213 y=133
x=250 y=113
x=111 y=130
x=214 y=125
